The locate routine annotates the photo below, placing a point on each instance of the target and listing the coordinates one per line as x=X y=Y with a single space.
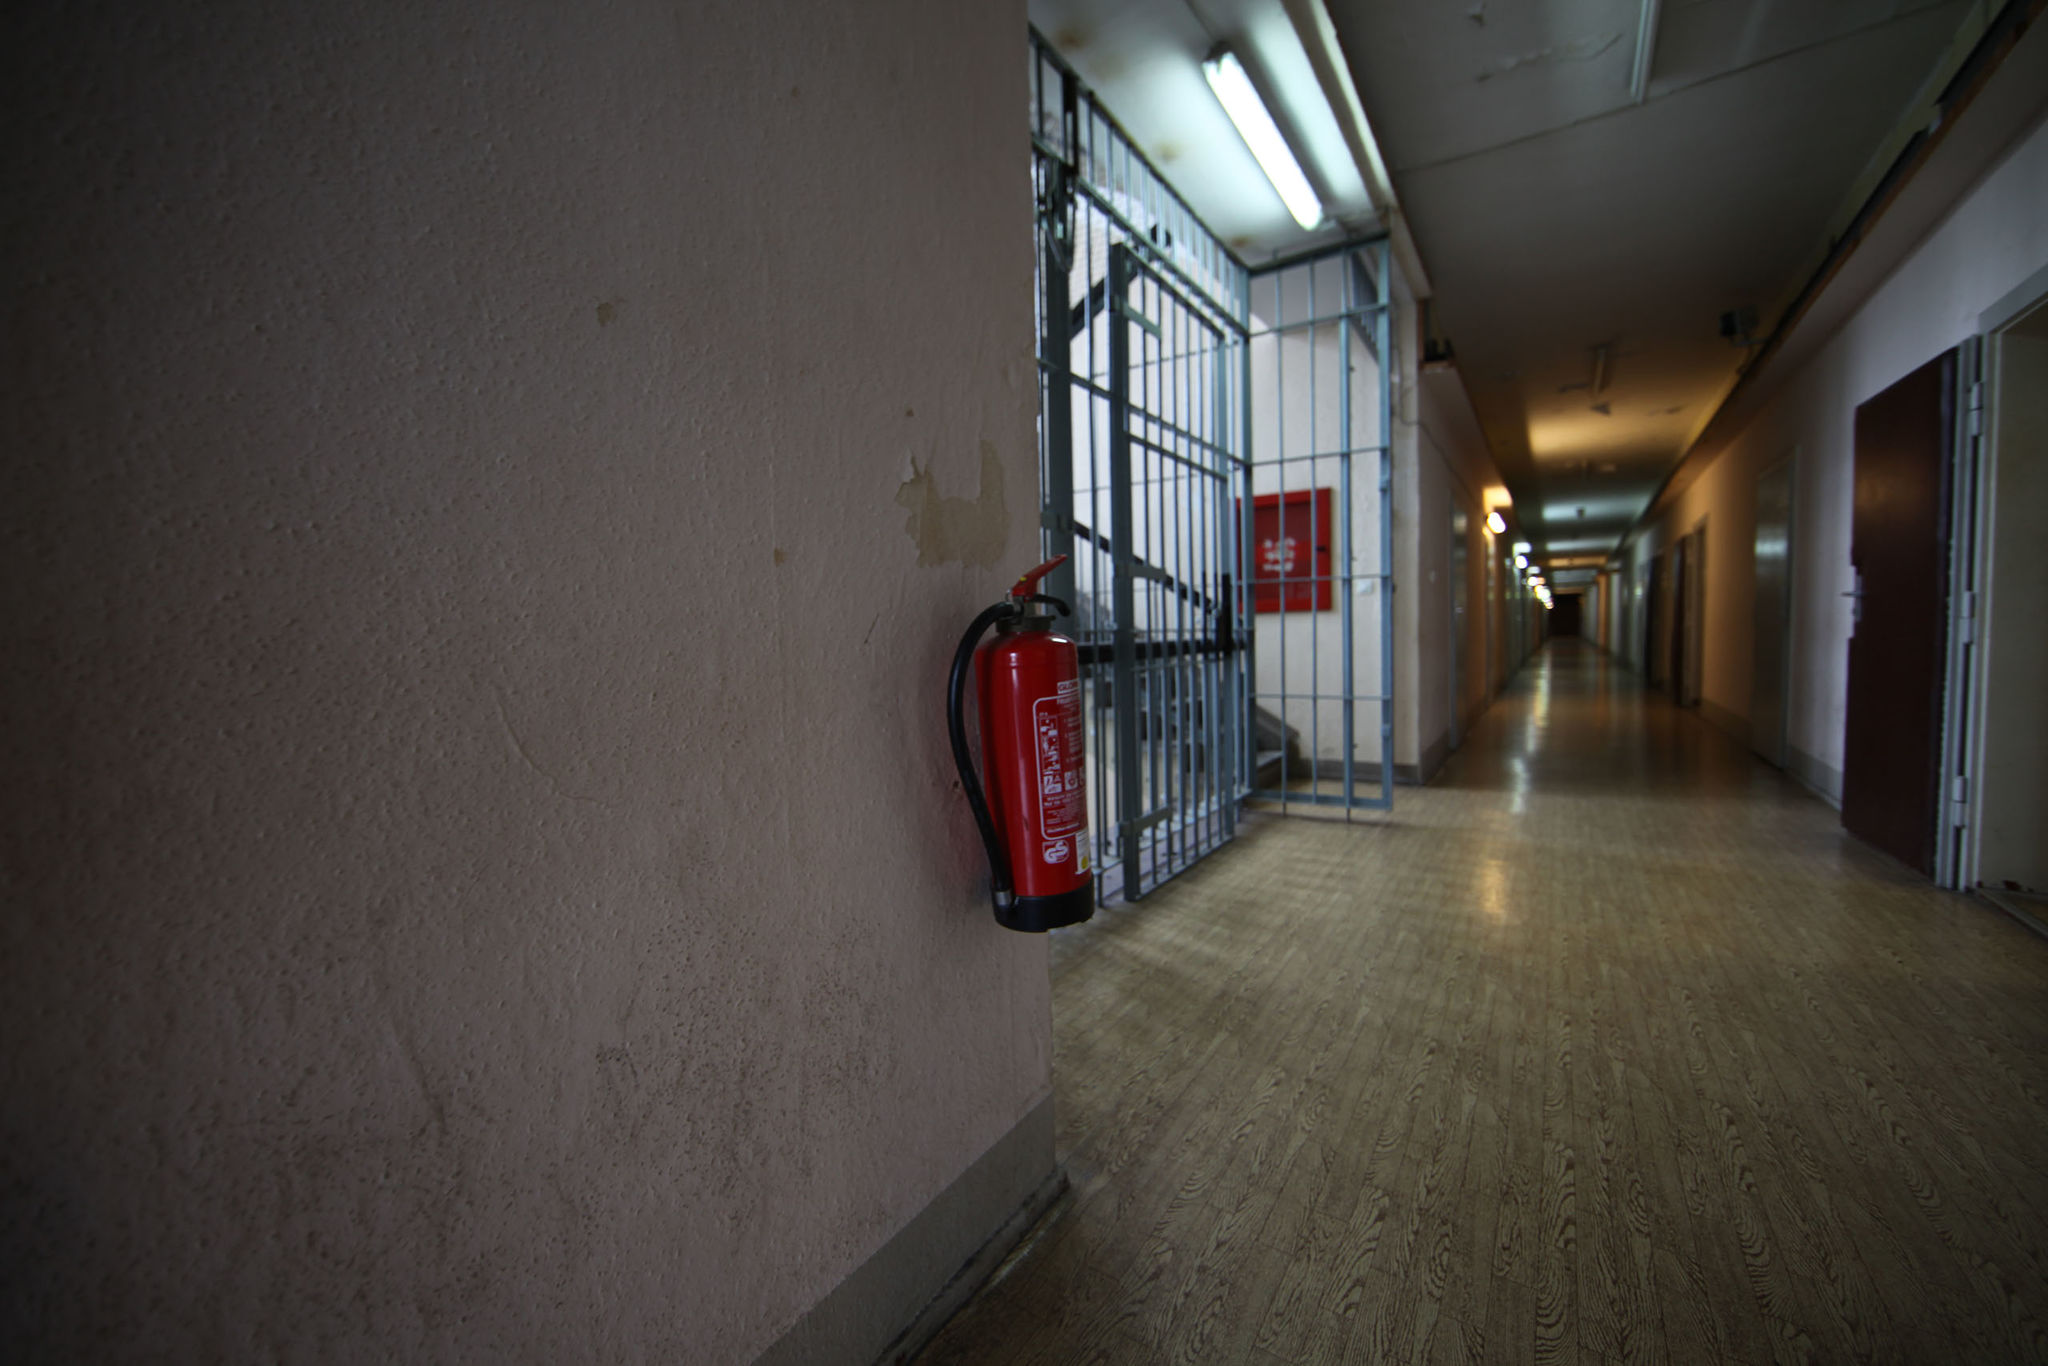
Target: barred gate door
x=1214 y=460
x=1142 y=431
x=1318 y=530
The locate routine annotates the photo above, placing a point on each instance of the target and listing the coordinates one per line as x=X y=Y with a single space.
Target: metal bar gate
x=1146 y=442
x=1318 y=528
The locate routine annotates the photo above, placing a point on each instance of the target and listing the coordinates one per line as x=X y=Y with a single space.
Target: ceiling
x=1580 y=247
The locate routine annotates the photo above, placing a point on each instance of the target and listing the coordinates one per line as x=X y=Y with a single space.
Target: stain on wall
x=972 y=531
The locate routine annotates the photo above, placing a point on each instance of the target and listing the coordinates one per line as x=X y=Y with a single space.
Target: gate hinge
x=1976 y=407
x=1968 y=630
x=1959 y=798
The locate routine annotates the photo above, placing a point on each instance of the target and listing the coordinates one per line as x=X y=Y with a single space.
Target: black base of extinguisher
x=1037 y=914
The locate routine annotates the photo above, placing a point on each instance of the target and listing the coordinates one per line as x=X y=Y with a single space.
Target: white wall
x=1994 y=238
x=482 y=868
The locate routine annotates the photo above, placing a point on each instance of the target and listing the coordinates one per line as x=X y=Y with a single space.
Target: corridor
x=1607 y=1046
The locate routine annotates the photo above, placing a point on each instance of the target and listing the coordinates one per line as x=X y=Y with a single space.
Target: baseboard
x=1433 y=758
x=899 y=1298
x=1823 y=780
x=1725 y=721
x=2031 y=911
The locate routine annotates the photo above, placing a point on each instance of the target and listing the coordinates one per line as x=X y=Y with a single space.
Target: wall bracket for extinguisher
x=1049 y=897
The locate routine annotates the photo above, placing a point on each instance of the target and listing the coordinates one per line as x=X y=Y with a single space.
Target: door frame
x=1780 y=755
x=1964 y=738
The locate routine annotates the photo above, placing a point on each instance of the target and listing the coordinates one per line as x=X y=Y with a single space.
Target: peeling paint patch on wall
x=972 y=531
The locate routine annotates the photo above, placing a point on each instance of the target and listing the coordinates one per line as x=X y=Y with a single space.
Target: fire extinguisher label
x=1062 y=794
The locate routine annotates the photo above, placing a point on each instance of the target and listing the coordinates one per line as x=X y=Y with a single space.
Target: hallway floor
x=1607 y=1046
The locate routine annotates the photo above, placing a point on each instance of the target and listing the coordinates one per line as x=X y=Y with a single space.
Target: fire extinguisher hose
x=1001 y=889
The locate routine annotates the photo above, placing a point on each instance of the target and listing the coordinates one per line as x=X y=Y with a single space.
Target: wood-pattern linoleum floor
x=1607 y=1046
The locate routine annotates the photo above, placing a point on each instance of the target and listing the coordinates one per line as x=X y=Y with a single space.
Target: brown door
x=1653 y=622
x=1891 y=768
x=1681 y=620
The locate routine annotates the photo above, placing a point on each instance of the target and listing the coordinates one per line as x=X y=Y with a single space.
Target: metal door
x=1317 y=530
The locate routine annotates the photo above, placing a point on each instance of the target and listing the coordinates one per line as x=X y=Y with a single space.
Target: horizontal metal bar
x=1319 y=455
x=1045 y=51
x=1194 y=306
x=1312 y=255
x=1357 y=315
x=1140 y=237
x=1144 y=568
x=1285 y=580
x=1104 y=652
x=1204 y=443
x=1124 y=310
x=1321 y=697
x=1267 y=794
x=1170 y=453
x=1080 y=380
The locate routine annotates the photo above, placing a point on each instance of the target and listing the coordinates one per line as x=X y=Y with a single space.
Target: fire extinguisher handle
x=1001 y=888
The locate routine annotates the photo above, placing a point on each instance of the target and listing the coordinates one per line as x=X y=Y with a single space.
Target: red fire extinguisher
x=1034 y=817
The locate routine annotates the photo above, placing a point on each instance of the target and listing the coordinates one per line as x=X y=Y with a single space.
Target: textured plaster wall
x=1994 y=238
x=1410 y=627
x=483 y=877
x=1457 y=472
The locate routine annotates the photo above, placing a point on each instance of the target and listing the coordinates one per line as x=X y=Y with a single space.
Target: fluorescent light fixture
x=1646 y=55
x=1496 y=523
x=1239 y=100
x=1521 y=547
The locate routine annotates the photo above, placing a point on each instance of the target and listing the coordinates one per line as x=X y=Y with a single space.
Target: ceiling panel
x=1557 y=217
x=1582 y=247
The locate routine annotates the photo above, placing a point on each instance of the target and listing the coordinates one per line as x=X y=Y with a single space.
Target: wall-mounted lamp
x=1521 y=561
x=1496 y=523
x=1248 y=112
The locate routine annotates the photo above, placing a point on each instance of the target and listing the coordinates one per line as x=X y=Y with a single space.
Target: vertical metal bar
x=1184 y=570
x=1055 y=341
x=1348 y=439
x=1152 y=467
x=1280 y=618
x=1315 y=618
x=1383 y=335
x=1202 y=571
x=1109 y=838
x=1234 y=717
x=1130 y=791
